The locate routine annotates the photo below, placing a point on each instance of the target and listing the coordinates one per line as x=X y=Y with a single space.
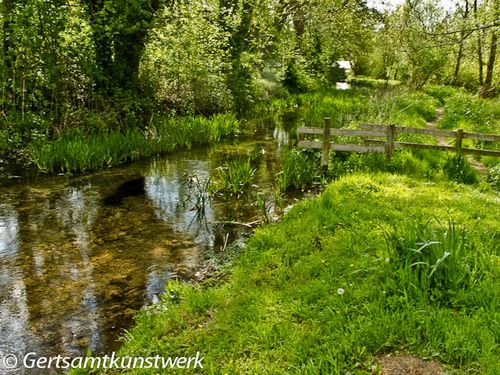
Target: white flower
x=340 y=291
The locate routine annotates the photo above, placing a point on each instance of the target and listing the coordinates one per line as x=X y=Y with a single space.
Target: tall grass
x=466 y=111
x=299 y=169
x=77 y=153
x=346 y=108
x=431 y=262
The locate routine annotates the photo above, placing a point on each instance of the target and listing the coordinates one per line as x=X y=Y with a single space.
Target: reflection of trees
x=57 y=269
x=169 y=190
x=14 y=314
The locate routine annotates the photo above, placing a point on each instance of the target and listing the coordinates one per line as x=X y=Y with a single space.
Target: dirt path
x=477 y=165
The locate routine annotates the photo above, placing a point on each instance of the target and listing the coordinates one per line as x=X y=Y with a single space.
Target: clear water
x=74 y=270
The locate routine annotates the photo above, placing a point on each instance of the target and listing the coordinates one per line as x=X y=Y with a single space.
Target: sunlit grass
x=417 y=263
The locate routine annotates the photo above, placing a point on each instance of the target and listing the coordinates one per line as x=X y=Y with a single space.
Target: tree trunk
x=456 y=72
x=479 y=47
x=490 y=66
x=119 y=34
x=7 y=32
x=9 y=57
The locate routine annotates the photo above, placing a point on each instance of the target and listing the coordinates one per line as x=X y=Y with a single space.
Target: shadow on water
x=79 y=256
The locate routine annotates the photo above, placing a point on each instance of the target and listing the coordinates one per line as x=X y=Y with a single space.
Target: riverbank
x=80 y=152
x=377 y=264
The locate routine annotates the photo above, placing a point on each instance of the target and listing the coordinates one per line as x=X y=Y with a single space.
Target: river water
x=80 y=255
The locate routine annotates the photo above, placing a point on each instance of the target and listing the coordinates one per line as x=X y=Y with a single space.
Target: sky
x=391 y=4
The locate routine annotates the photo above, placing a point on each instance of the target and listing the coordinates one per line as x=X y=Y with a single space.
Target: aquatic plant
x=199 y=191
x=265 y=208
x=299 y=169
x=234 y=176
x=76 y=153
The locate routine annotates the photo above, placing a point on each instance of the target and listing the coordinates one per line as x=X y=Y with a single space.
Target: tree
x=486 y=88
x=119 y=31
x=461 y=43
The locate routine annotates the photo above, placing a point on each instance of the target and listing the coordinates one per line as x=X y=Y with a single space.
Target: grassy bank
x=78 y=152
x=377 y=264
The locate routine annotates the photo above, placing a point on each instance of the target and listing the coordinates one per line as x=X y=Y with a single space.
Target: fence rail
x=390 y=143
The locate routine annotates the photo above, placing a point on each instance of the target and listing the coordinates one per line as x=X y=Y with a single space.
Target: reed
x=235 y=176
x=71 y=153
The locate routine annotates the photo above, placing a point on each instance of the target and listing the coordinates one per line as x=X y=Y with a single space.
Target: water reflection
x=73 y=270
x=14 y=316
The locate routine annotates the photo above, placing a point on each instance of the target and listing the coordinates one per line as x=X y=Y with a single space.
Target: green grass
x=466 y=111
x=372 y=82
x=77 y=152
x=357 y=272
x=349 y=108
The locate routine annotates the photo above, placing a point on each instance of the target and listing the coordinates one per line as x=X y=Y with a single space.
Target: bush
x=294 y=79
x=441 y=93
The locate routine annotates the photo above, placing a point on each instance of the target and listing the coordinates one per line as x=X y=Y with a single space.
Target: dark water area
x=80 y=255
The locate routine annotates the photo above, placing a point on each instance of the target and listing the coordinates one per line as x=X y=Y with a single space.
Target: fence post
x=460 y=137
x=325 y=152
x=389 y=146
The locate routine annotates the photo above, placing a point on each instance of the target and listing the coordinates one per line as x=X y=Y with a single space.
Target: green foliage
x=418 y=164
x=372 y=82
x=335 y=74
x=494 y=176
x=468 y=112
x=264 y=208
x=76 y=153
x=294 y=78
x=441 y=93
x=434 y=263
x=417 y=104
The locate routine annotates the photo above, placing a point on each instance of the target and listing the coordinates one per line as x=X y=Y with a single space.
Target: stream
x=79 y=256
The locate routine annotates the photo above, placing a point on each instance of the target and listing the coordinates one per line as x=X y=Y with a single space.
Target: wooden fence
x=390 y=142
